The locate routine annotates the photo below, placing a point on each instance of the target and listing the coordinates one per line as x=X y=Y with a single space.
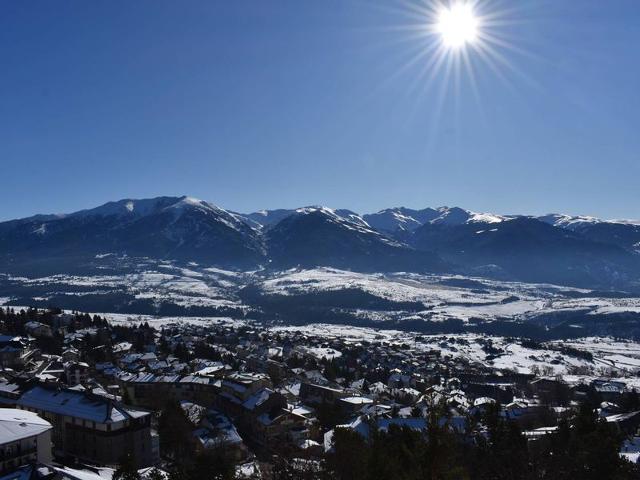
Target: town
x=84 y=398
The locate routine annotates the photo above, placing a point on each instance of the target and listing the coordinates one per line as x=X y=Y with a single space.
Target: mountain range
x=554 y=248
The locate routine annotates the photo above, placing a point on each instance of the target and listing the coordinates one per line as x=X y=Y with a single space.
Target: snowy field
x=443 y=297
x=619 y=357
x=451 y=297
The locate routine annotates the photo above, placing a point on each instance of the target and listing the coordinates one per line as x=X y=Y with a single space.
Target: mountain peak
x=127 y=207
x=459 y=216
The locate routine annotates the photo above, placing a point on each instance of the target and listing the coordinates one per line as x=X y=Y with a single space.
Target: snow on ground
x=631 y=449
x=449 y=297
x=324 y=353
x=161 y=322
x=504 y=353
x=608 y=352
x=393 y=287
x=182 y=286
x=444 y=297
x=513 y=310
x=622 y=355
x=346 y=332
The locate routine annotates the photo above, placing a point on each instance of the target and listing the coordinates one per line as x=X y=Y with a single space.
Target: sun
x=450 y=46
x=457 y=25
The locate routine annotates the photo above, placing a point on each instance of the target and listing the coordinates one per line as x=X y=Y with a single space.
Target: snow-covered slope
x=570 y=222
x=573 y=222
x=268 y=218
x=320 y=236
x=406 y=220
x=527 y=249
x=624 y=233
x=181 y=228
x=553 y=248
x=400 y=218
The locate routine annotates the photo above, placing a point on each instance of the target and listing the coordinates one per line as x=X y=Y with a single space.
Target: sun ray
x=452 y=46
x=471 y=76
x=502 y=60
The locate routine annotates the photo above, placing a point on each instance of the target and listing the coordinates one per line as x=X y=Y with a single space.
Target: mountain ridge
x=575 y=250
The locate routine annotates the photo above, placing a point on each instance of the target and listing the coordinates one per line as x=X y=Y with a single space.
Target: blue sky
x=268 y=104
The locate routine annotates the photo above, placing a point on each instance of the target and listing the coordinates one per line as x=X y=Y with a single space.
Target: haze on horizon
x=255 y=105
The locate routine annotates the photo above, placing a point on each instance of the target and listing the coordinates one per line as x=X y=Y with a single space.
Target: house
x=609 y=390
x=77 y=373
x=238 y=388
x=627 y=423
x=481 y=405
x=24 y=438
x=52 y=371
x=349 y=406
x=121 y=348
x=14 y=351
x=398 y=380
x=153 y=391
x=9 y=393
x=71 y=355
x=280 y=426
x=318 y=394
x=38 y=329
x=214 y=430
x=91 y=428
x=213 y=370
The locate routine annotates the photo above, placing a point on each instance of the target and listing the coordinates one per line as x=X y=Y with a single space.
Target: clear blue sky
x=267 y=104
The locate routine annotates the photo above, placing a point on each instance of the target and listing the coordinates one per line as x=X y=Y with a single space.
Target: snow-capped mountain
x=401 y=220
x=624 y=233
x=570 y=222
x=165 y=227
x=458 y=216
x=529 y=250
x=267 y=218
x=315 y=236
x=582 y=251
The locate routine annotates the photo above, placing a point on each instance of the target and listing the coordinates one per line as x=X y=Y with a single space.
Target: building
x=238 y=388
x=350 y=405
x=154 y=391
x=627 y=423
x=319 y=394
x=14 y=352
x=38 y=329
x=9 y=393
x=92 y=428
x=279 y=426
x=24 y=438
x=213 y=429
x=77 y=373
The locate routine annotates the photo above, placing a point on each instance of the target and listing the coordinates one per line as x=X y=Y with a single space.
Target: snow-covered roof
x=77 y=404
x=211 y=369
x=357 y=400
x=483 y=401
x=68 y=473
x=621 y=417
x=257 y=399
x=18 y=424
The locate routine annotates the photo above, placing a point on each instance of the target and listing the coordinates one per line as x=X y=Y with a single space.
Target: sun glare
x=457 y=25
x=451 y=44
